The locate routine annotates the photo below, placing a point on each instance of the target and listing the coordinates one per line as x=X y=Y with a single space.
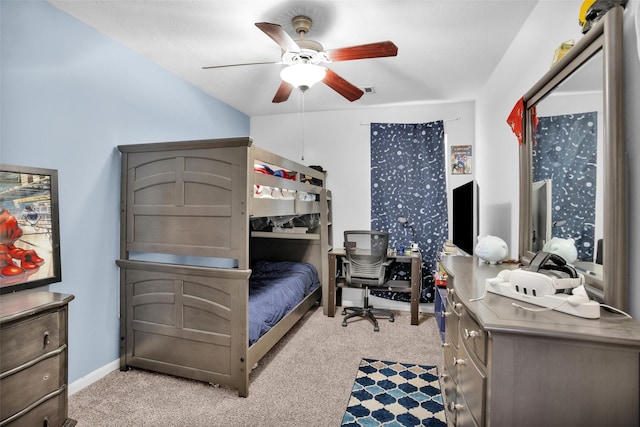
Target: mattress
x=275 y=288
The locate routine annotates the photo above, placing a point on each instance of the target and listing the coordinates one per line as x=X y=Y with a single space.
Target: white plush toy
x=566 y=248
x=491 y=249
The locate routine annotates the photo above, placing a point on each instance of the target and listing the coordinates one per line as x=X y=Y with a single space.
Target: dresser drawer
x=33 y=382
x=475 y=338
x=471 y=385
x=52 y=412
x=440 y=306
x=452 y=314
x=450 y=355
x=464 y=417
x=449 y=393
x=28 y=339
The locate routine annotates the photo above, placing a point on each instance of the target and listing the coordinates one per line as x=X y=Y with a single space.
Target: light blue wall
x=69 y=96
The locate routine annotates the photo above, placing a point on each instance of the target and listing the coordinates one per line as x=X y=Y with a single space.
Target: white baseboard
x=94 y=376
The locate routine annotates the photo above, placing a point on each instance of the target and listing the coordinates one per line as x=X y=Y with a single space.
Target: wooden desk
x=416 y=279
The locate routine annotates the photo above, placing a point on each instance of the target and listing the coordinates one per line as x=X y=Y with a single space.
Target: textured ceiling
x=446 y=49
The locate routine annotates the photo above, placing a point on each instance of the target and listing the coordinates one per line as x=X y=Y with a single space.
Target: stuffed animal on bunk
x=548 y=282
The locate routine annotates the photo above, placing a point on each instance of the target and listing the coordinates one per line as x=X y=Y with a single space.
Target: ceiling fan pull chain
x=301 y=121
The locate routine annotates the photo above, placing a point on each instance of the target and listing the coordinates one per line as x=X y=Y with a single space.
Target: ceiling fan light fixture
x=303 y=76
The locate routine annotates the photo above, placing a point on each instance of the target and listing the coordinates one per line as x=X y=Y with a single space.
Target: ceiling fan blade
x=283 y=93
x=279 y=35
x=364 y=51
x=342 y=86
x=239 y=65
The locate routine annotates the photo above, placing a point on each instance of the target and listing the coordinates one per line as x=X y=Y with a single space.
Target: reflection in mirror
x=567 y=176
x=572 y=161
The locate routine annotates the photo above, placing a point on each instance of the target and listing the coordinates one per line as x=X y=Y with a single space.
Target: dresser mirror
x=572 y=168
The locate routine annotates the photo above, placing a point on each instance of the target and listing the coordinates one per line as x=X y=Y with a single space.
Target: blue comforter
x=275 y=288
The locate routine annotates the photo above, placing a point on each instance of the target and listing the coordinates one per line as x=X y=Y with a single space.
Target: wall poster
x=460 y=159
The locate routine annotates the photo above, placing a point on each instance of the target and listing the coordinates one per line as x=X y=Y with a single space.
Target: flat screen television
x=465 y=216
x=541 y=213
x=29 y=228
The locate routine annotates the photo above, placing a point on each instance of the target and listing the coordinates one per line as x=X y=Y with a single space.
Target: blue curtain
x=566 y=152
x=408 y=180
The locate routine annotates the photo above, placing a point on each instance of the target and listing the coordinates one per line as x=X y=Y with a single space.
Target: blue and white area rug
x=394 y=394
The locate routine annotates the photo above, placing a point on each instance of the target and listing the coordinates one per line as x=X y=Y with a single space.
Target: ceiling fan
x=307 y=56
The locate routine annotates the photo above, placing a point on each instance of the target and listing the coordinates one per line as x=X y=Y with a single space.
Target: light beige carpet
x=305 y=380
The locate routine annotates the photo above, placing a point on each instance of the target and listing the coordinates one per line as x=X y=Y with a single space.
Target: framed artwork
x=29 y=230
x=461 y=159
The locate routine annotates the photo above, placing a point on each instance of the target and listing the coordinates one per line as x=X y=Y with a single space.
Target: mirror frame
x=605 y=36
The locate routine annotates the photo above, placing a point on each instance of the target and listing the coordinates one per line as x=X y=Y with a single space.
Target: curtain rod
x=444 y=121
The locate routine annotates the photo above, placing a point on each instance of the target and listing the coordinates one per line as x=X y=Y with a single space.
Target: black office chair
x=366 y=265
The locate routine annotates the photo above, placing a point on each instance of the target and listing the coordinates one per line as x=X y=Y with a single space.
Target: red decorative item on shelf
x=516 y=120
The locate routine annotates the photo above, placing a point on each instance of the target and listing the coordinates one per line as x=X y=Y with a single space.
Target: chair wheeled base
x=367 y=312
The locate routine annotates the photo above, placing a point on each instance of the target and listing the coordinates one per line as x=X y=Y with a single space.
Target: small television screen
x=465 y=216
x=29 y=230
x=541 y=205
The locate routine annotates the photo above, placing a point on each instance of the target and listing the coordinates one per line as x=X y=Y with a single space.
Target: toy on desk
x=491 y=249
x=440 y=279
x=548 y=282
x=566 y=248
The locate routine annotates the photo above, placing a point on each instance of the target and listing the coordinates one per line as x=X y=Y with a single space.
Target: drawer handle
x=471 y=334
x=47 y=338
x=457 y=306
x=454 y=307
x=453 y=407
x=459 y=362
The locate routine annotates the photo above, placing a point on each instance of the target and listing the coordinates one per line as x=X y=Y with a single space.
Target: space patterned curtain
x=565 y=151
x=408 y=179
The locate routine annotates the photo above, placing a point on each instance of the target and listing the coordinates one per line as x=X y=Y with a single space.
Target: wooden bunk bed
x=196 y=200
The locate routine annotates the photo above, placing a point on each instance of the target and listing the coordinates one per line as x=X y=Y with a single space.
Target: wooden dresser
x=33 y=359
x=506 y=366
